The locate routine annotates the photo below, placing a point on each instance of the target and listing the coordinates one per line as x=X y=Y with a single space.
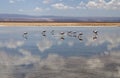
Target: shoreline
x=59 y=24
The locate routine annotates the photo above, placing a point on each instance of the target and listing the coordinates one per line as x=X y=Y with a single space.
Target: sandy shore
x=56 y=24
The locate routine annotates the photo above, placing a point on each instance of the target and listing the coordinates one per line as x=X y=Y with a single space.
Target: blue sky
x=78 y=8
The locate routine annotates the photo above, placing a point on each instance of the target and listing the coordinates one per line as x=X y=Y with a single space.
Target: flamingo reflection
x=95 y=37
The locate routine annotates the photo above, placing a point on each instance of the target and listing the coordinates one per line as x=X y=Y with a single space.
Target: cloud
x=60 y=0
x=61 y=6
x=11 y=44
x=38 y=9
x=11 y=1
x=100 y=4
x=14 y=1
x=91 y=4
x=46 y=1
x=20 y=10
x=81 y=5
x=44 y=45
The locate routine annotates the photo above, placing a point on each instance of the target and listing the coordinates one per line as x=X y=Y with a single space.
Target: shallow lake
x=60 y=52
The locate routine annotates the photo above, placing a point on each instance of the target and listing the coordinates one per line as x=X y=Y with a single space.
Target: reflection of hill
x=18 y=17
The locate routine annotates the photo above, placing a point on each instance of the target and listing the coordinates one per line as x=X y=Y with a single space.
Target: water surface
x=59 y=52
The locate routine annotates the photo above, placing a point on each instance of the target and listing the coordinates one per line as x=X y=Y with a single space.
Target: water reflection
x=83 y=53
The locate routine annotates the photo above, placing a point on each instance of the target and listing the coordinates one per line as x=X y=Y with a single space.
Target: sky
x=77 y=8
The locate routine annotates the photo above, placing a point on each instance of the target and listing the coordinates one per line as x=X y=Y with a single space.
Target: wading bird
x=62 y=33
x=80 y=36
x=53 y=32
x=69 y=33
x=95 y=32
x=25 y=35
x=43 y=33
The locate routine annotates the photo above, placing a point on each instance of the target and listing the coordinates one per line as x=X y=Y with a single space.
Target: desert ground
x=58 y=24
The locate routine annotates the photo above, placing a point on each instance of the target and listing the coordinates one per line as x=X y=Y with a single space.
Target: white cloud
x=81 y=5
x=61 y=6
x=91 y=4
x=11 y=1
x=14 y=1
x=44 y=45
x=20 y=10
x=100 y=4
x=60 y=0
x=46 y=1
x=38 y=9
x=11 y=44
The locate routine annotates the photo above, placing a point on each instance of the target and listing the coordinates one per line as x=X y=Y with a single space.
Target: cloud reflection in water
x=44 y=44
x=11 y=44
x=55 y=66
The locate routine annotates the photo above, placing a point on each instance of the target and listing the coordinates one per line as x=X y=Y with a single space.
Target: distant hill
x=18 y=17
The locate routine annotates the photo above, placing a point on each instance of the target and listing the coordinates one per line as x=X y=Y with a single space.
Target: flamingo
x=43 y=33
x=25 y=35
x=53 y=32
x=74 y=33
x=62 y=33
x=80 y=36
x=95 y=32
x=69 y=33
x=80 y=33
